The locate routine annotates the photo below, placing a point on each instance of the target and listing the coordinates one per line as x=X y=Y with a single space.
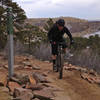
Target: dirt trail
x=77 y=88
x=72 y=85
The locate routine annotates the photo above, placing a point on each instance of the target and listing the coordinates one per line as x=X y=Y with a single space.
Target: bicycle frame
x=60 y=60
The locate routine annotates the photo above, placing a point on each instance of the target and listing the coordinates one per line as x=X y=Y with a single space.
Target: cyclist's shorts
x=54 y=48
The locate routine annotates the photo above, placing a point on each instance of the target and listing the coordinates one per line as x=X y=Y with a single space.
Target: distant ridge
x=77 y=26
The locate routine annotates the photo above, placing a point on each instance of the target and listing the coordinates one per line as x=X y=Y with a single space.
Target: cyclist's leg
x=64 y=45
x=54 y=53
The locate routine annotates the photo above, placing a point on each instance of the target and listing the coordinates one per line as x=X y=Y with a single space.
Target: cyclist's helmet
x=61 y=22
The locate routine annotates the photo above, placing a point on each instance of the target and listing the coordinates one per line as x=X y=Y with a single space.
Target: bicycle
x=60 y=60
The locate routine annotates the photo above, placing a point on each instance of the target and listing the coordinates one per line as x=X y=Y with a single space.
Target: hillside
x=78 y=27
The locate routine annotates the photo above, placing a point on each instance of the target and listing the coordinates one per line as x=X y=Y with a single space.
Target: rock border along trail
x=35 y=80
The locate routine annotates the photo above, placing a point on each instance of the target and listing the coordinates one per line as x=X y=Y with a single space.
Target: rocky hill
x=78 y=27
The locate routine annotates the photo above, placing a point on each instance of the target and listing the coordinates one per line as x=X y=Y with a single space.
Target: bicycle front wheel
x=61 y=66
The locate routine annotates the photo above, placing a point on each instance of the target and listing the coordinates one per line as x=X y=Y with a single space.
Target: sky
x=85 y=9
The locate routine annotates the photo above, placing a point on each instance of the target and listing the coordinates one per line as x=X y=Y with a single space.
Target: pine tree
x=18 y=18
x=49 y=24
x=31 y=35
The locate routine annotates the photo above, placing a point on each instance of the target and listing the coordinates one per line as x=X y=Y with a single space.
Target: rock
x=26 y=59
x=44 y=94
x=36 y=99
x=26 y=96
x=45 y=74
x=46 y=84
x=34 y=87
x=49 y=80
x=53 y=89
x=18 y=67
x=13 y=85
x=15 y=80
x=71 y=68
x=5 y=66
x=15 y=99
x=32 y=80
x=90 y=78
x=28 y=68
x=84 y=70
x=23 y=94
x=39 y=77
x=4 y=94
x=23 y=78
x=3 y=79
x=86 y=77
x=4 y=89
x=97 y=80
x=27 y=64
x=70 y=65
x=46 y=61
x=34 y=67
x=92 y=72
x=16 y=75
x=15 y=66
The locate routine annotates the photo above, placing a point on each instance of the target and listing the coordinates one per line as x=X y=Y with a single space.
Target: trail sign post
x=10 y=41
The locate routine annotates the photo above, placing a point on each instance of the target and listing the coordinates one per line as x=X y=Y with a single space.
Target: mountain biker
x=55 y=35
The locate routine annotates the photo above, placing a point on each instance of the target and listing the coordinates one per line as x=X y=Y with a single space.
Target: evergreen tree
x=31 y=35
x=18 y=18
x=49 y=24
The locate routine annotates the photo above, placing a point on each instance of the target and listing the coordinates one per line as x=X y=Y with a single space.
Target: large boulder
x=40 y=78
x=34 y=87
x=4 y=93
x=22 y=78
x=13 y=85
x=3 y=79
x=23 y=94
x=44 y=94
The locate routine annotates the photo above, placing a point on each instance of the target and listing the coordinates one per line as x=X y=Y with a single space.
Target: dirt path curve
x=72 y=85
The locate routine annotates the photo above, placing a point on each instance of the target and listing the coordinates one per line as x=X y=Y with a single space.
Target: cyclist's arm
x=68 y=33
